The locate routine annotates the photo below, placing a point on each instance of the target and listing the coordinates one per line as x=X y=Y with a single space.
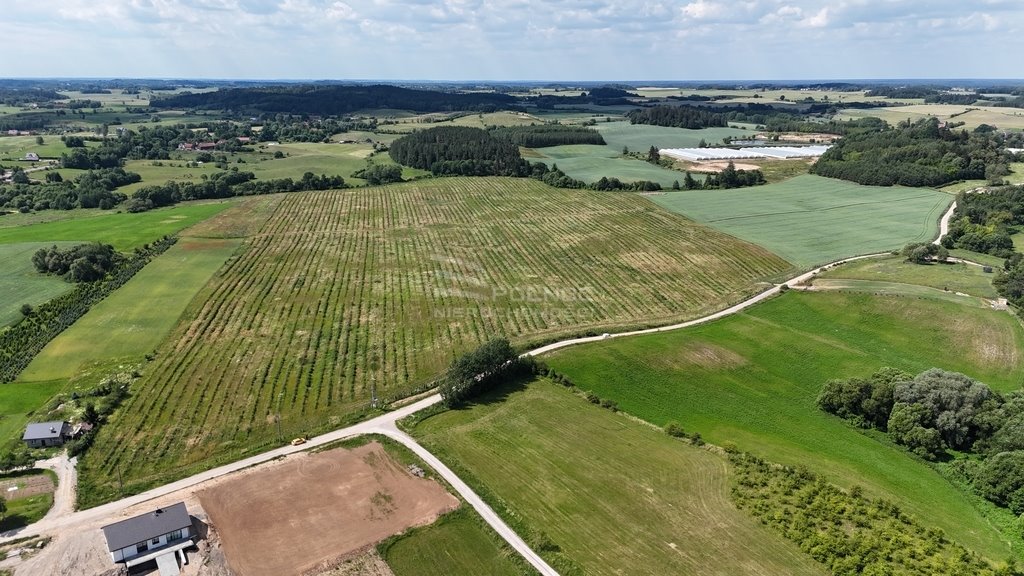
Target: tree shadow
x=500 y=390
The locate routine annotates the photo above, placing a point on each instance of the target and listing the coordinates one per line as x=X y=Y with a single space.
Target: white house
x=43 y=434
x=160 y=535
x=32 y=157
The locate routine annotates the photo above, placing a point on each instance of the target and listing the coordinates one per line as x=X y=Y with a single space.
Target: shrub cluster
x=81 y=263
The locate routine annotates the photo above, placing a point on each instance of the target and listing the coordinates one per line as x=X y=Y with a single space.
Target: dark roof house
x=160 y=535
x=43 y=434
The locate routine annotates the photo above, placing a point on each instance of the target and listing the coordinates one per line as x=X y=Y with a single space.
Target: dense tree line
x=24 y=96
x=846 y=531
x=336 y=100
x=921 y=153
x=82 y=263
x=985 y=222
x=459 y=150
x=938 y=412
x=475 y=372
x=728 y=178
x=94 y=189
x=226 y=185
x=20 y=343
x=544 y=135
x=689 y=117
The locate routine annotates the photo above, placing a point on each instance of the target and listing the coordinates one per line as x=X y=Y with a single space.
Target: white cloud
x=514 y=39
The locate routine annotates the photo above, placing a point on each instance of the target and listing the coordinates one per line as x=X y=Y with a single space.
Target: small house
x=32 y=157
x=161 y=535
x=44 y=434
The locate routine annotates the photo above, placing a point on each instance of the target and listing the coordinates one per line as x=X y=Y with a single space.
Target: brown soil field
x=26 y=486
x=307 y=513
x=717 y=166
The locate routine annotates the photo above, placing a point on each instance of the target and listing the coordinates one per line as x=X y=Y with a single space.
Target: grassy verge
x=752 y=379
x=598 y=493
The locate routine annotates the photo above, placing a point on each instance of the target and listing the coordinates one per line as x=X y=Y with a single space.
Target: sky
x=594 y=40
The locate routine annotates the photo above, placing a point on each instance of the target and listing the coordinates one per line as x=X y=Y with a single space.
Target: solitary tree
x=653 y=156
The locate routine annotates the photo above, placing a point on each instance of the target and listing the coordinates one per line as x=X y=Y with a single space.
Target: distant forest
x=922 y=153
x=337 y=100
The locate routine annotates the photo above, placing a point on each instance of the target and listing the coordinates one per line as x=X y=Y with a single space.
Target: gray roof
x=145 y=526
x=43 y=430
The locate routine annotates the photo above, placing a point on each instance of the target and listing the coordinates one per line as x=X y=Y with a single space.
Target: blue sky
x=514 y=39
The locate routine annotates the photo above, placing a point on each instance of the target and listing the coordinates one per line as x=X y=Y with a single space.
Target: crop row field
x=348 y=295
x=610 y=495
x=811 y=220
x=752 y=379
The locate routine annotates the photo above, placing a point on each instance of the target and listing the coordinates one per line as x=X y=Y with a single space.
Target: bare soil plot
x=305 y=513
x=25 y=486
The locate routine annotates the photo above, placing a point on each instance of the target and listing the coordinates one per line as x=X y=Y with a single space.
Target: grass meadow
x=752 y=379
x=343 y=294
x=591 y=163
x=954 y=277
x=135 y=319
x=1005 y=118
x=21 y=284
x=605 y=493
x=17 y=401
x=122 y=230
x=811 y=220
x=456 y=544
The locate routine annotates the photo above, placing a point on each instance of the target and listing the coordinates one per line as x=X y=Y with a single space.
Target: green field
x=345 y=292
x=640 y=137
x=752 y=379
x=811 y=220
x=21 y=284
x=122 y=230
x=591 y=163
x=963 y=278
x=135 y=319
x=454 y=545
x=614 y=495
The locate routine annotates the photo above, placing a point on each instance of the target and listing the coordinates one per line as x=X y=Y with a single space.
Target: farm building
x=44 y=434
x=161 y=535
x=32 y=157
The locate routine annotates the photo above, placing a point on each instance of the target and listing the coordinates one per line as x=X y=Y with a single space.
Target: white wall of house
x=133 y=551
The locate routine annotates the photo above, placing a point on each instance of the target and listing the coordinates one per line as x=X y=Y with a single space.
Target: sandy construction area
x=315 y=508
